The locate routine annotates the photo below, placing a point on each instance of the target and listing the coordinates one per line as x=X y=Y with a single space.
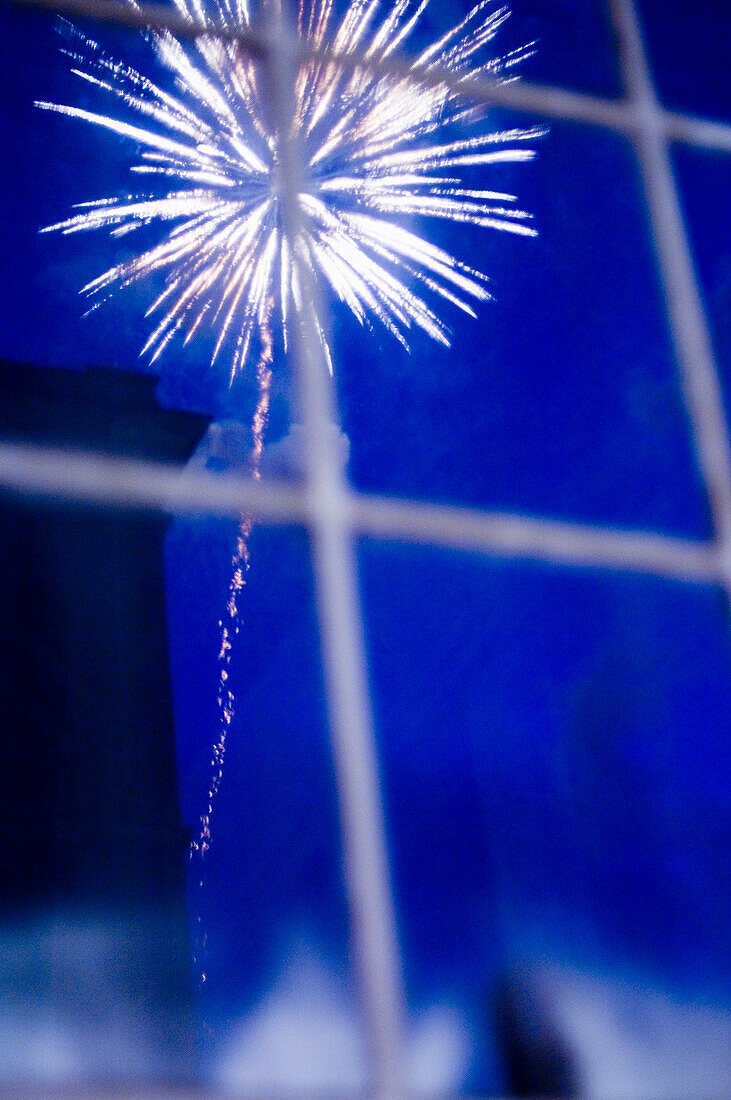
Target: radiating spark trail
x=211 y=155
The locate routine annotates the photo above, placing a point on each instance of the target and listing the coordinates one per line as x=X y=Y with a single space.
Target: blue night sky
x=550 y=740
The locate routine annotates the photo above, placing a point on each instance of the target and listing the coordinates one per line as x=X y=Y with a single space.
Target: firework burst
x=371 y=161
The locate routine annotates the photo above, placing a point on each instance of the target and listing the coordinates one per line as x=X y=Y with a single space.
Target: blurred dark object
x=89 y=788
x=92 y=883
x=537 y=1058
x=105 y=409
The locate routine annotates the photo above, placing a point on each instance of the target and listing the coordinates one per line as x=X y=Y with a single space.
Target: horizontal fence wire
x=86 y=478
x=544 y=100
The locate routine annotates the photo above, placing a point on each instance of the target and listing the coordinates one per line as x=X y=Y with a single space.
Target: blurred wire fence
x=335 y=515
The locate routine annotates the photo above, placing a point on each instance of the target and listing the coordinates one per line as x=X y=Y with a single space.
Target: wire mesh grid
x=336 y=515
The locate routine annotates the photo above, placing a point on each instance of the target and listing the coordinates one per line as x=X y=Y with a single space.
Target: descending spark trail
x=371 y=159
x=229 y=625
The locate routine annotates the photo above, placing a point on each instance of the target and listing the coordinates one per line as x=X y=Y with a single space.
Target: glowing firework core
x=369 y=157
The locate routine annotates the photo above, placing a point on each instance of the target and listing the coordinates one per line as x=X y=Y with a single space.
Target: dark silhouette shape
x=537 y=1059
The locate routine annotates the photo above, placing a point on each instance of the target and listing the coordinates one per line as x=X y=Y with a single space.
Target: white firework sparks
x=371 y=161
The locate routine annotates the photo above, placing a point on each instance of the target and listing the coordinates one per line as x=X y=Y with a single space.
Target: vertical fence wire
x=363 y=834
x=694 y=351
